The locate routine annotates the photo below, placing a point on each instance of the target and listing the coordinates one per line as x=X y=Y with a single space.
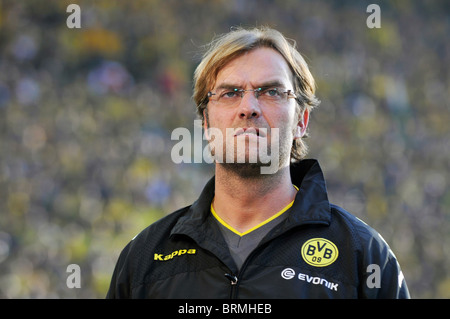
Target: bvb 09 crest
x=319 y=252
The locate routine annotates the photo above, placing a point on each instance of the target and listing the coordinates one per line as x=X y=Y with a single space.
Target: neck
x=244 y=202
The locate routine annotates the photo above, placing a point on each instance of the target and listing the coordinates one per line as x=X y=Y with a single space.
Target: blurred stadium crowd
x=86 y=117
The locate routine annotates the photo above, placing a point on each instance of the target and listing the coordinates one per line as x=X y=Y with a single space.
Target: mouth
x=250 y=131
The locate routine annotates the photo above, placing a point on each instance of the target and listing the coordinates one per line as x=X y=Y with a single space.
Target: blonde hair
x=239 y=41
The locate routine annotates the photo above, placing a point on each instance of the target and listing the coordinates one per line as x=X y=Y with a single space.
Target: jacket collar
x=311 y=205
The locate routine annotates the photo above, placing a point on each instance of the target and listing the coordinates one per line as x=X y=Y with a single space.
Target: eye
x=230 y=94
x=271 y=92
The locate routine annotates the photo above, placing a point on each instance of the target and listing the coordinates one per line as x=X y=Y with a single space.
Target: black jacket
x=318 y=251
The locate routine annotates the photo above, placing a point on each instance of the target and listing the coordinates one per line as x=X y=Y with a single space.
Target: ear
x=302 y=124
x=206 y=124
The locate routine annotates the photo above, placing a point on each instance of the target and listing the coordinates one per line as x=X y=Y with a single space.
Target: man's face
x=259 y=68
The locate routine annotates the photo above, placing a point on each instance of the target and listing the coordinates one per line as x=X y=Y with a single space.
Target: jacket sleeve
x=120 y=282
x=381 y=275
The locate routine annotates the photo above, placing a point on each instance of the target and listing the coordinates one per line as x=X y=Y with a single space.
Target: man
x=253 y=234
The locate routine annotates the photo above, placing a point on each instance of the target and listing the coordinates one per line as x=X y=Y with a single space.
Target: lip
x=250 y=130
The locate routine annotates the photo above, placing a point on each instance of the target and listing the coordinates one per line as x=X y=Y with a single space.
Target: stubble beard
x=248 y=169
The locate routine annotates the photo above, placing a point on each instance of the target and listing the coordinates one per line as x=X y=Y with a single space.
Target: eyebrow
x=268 y=84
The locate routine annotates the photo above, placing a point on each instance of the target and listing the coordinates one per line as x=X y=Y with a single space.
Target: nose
x=249 y=107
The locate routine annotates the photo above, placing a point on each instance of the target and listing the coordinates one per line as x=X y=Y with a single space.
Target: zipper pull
x=233 y=279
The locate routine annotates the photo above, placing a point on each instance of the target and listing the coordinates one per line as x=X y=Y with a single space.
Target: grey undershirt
x=241 y=246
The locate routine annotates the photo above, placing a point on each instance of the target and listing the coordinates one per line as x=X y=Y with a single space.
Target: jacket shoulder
x=361 y=231
x=155 y=232
x=135 y=256
x=374 y=254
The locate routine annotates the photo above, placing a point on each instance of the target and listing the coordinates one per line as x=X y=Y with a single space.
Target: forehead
x=253 y=68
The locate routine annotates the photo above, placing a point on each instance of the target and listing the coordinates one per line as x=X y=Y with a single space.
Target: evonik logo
x=289 y=273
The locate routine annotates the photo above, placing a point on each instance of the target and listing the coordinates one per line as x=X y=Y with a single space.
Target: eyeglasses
x=266 y=96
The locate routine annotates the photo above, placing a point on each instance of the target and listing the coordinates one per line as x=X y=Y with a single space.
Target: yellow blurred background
x=86 y=117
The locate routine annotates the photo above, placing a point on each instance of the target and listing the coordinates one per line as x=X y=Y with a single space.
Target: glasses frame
x=257 y=92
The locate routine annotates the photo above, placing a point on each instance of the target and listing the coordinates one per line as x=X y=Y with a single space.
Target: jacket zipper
x=233 y=282
x=234 y=279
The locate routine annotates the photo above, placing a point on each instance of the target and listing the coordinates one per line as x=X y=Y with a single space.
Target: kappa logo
x=319 y=252
x=161 y=257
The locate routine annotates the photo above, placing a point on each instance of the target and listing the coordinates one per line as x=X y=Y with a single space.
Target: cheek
x=285 y=121
x=218 y=118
